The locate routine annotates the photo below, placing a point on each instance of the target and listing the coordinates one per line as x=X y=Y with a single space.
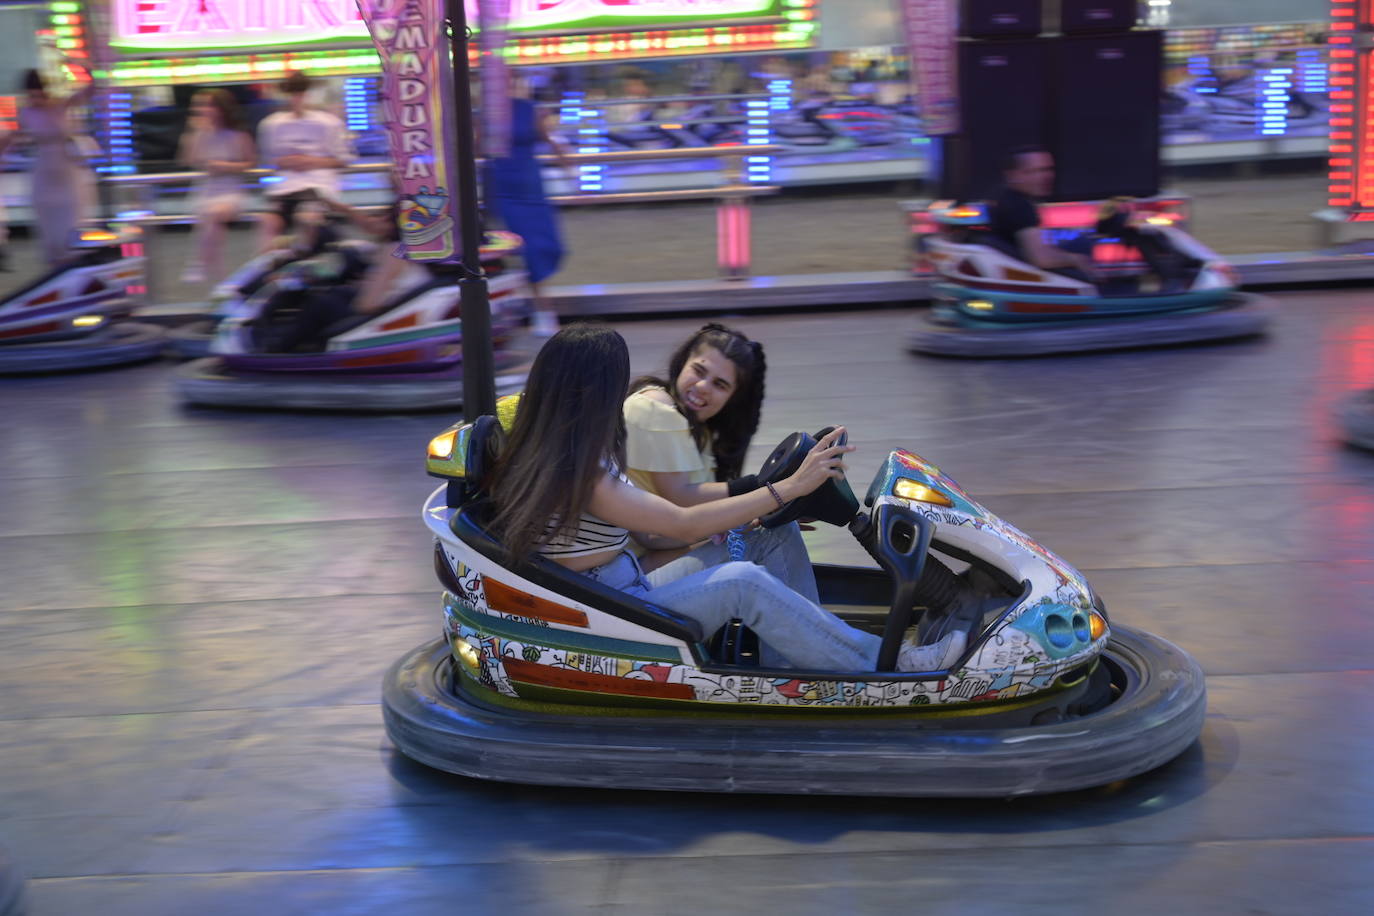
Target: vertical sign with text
x=930 y=27
x=417 y=97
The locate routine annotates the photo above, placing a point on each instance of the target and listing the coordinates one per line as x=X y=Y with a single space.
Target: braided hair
x=731 y=430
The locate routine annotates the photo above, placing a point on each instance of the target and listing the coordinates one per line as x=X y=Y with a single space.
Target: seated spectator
x=216 y=143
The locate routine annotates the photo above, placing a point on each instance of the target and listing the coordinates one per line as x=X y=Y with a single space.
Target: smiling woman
x=698 y=421
x=686 y=440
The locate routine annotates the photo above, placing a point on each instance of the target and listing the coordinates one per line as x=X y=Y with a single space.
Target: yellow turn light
x=906 y=488
x=1097 y=625
x=980 y=305
x=441 y=446
x=87 y=321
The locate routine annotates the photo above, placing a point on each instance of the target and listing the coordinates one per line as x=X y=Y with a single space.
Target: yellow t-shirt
x=658 y=440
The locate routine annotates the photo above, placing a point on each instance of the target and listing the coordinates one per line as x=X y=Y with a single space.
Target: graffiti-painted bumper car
x=72 y=316
x=991 y=303
x=405 y=356
x=544 y=676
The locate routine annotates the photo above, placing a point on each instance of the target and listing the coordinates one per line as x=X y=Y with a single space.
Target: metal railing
x=136 y=195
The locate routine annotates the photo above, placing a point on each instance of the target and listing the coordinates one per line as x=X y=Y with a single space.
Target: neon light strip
x=524 y=51
x=1272 y=101
x=732 y=238
x=1348 y=161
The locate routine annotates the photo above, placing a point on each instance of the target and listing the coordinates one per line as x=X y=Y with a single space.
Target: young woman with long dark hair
x=558 y=490
x=216 y=143
x=687 y=435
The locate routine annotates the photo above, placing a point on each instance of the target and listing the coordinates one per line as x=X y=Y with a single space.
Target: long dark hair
x=568 y=429
x=731 y=430
x=223 y=101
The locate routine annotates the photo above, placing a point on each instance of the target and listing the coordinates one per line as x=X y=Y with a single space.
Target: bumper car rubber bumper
x=1356 y=416
x=116 y=345
x=1157 y=715
x=1243 y=315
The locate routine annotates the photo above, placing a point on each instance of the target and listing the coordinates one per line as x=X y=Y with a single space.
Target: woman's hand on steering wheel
x=822 y=463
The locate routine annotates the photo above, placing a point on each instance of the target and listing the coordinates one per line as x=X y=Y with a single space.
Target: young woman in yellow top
x=686 y=437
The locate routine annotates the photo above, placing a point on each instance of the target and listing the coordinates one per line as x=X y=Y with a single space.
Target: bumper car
x=72 y=316
x=1234 y=109
x=1356 y=416
x=315 y=235
x=192 y=340
x=405 y=356
x=1163 y=287
x=544 y=676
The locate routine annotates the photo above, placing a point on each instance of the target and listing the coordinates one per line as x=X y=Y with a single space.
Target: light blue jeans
x=781 y=551
x=802 y=632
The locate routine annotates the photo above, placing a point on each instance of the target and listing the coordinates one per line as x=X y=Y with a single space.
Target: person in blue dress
x=516 y=189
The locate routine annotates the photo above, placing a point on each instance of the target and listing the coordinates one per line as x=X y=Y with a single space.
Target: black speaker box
x=999 y=18
x=1002 y=106
x=1077 y=16
x=1104 y=120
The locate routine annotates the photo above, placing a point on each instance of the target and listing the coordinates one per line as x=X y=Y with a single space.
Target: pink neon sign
x=168 y=25
x=188 y=25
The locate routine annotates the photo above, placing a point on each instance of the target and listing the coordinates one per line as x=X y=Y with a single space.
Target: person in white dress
x=63 y=185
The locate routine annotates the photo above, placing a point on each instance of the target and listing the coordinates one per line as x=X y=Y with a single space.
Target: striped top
x=592 y=535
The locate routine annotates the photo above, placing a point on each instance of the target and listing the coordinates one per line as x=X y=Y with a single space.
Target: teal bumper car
x=1161 y=287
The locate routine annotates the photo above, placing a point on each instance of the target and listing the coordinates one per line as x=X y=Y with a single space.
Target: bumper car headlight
x=906 y=488
x=1097 y=625
x=441 y=446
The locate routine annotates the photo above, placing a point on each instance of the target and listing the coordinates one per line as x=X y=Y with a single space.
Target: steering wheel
x=831 y=502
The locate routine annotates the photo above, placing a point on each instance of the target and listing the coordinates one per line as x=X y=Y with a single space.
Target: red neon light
x=732 y=237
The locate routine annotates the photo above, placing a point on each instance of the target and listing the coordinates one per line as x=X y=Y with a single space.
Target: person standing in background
x=216 y=143
x=307 y=147
x=63 y=185
x=516 y=188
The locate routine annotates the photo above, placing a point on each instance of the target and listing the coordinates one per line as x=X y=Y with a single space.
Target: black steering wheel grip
x=832 y=502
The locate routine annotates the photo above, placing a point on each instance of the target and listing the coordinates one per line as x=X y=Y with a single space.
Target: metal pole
x=479 y=378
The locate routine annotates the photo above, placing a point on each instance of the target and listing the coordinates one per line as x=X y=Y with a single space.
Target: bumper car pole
x=479 y=374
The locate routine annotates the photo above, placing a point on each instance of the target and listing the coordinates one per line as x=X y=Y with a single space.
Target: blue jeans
x=802 y=632
x=781 y=551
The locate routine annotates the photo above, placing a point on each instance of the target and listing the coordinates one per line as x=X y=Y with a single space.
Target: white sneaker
x=934 y=657
x=544 y=324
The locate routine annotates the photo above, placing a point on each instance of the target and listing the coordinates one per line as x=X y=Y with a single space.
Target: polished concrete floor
x=197 y=607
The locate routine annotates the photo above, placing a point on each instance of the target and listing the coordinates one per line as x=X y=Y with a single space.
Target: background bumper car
x=72 y=317
x=1158 y=286
x=405 y=356
x=544 y=676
